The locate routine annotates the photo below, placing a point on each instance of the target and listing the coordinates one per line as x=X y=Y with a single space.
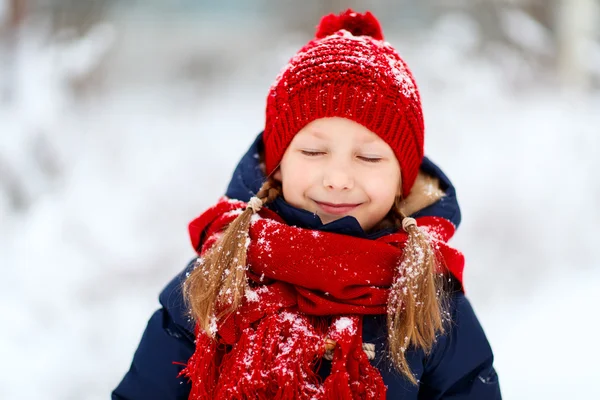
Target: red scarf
x=272 y=347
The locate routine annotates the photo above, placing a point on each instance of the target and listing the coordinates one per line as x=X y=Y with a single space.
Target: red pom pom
x=357 y=24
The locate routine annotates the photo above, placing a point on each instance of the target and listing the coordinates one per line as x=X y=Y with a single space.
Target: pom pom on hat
x=357 y=24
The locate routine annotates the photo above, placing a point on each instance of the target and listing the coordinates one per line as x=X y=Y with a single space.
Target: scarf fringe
x=275 y=360
x=353 y=377
x=201 y=368
x=278 y=360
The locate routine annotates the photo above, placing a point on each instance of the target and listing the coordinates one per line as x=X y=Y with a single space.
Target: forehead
x=336 y=128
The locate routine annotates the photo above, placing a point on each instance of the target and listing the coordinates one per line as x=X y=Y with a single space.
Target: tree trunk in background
x=576 y=29
x=9 y=33
x=16 y=12
x=8 y=36
x=77 y=14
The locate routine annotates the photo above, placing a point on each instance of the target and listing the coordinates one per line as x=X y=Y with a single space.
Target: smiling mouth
x=336 y=209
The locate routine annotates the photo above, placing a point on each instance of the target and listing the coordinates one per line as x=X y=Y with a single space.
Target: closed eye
x=312 y=153
x=370 y=159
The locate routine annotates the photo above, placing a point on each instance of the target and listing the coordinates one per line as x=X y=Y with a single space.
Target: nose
x=338 y=177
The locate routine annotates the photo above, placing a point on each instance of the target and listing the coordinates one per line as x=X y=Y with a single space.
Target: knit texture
x=348 y=71
x=304 y=287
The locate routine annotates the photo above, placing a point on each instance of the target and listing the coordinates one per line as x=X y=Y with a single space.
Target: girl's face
x=336 y=167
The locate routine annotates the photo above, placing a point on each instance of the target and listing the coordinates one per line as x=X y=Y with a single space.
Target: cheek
x=296 y=177
x=382 y=189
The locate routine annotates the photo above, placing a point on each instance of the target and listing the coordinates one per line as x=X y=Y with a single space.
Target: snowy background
x=120 y=124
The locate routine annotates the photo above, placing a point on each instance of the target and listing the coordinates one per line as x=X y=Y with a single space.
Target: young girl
x=325 y=272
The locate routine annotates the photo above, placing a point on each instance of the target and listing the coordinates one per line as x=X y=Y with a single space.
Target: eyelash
x=318 y=153
x=370 y=160
x=312 y=153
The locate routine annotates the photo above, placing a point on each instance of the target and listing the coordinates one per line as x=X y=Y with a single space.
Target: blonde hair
x=415 y=306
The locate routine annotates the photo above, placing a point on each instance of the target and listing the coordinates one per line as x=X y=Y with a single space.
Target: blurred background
x=120 y=121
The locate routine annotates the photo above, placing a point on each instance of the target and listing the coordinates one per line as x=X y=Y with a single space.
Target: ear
x=399 y=190
x=277 y=175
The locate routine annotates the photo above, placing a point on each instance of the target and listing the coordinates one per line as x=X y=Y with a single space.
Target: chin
x=328 y=219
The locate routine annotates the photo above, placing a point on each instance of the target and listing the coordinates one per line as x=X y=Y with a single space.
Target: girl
x=325 y=271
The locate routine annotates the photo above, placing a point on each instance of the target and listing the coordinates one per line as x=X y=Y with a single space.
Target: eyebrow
x=317 y=134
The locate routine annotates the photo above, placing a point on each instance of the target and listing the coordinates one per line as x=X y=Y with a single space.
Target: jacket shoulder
x=461 y=361
x=171 y=298
x=165 y=347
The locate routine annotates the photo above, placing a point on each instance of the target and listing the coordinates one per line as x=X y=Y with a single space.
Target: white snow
x=254 y=295
x=116 y=176
x=344 y=323
x=545 y=343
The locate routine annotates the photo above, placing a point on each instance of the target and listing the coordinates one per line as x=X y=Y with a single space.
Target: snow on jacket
x=460 y=366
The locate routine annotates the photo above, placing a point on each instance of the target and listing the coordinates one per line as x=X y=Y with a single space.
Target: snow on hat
x=348 y=71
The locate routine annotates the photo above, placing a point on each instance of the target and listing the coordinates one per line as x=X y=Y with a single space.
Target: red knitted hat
x=348 y=71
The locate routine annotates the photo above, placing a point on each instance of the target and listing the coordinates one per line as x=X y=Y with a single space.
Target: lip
x=336 y=209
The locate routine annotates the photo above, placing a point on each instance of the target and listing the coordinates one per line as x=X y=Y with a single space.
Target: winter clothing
x=348 y=71
x=282 y=263
x=459 y=366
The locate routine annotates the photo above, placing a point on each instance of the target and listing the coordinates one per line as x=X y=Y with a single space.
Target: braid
x=416 y=305
x=216 y=287
x=269 y=191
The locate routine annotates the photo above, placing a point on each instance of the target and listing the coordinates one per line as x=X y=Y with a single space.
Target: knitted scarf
x=305 y=286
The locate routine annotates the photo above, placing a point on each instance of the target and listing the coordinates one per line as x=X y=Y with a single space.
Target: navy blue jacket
x=459 y=366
